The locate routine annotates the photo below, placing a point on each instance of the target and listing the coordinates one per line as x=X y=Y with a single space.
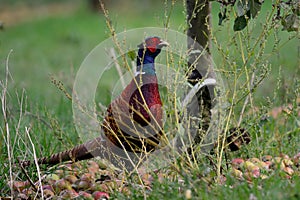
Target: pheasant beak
x=163 y=44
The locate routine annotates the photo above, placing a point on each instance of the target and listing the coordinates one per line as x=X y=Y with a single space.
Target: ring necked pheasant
x=134 y=119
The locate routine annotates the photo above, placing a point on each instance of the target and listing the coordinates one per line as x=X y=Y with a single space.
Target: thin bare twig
x=118 y=67
x=26 y=174
x=4 y=112
x=246 y=100
x=36 y=162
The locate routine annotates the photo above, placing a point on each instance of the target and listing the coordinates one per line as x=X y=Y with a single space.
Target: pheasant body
x=134 y=119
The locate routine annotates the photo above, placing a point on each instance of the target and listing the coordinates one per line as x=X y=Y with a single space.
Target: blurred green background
x=53 y=37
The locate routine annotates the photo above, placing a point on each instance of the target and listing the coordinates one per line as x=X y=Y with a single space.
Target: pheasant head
x=148 y=50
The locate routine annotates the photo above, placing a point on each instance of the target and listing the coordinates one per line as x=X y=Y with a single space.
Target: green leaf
x=290 y=23
x=244 y=6
x=240 y=23
x=131 y=54
x=255 y=6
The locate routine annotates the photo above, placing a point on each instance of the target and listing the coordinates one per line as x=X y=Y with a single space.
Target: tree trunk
x=200 y=61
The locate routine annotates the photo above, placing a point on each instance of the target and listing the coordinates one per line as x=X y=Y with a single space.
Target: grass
x=55 y=46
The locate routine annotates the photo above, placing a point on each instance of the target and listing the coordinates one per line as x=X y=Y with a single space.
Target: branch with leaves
x=287 y=14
